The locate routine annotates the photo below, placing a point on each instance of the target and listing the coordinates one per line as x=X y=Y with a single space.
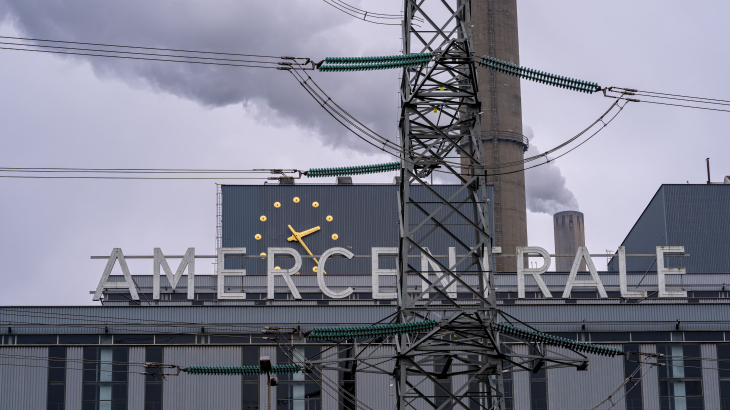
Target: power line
x=150 y=48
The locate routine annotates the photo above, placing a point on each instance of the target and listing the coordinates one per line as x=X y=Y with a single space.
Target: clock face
x=301 y=223
x=354 y=217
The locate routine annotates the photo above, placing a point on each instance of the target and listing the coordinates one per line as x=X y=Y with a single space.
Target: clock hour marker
x=277 y=204
x=258 y=236
x=263 y=255
x=263 y=218
x=296 y=199
x=315 y=204
x=334 y=236
x=329 y=218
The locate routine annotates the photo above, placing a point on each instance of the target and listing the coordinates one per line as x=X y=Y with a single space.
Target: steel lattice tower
x=439 y=111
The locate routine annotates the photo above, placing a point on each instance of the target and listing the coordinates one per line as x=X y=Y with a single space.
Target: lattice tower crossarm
x=439 y=110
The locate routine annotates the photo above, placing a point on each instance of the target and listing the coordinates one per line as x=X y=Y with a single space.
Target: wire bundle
x=371 y=331
x=539 y=76
x=242 y=370
x=540 y=337
x=346 y=64
x=356 y=170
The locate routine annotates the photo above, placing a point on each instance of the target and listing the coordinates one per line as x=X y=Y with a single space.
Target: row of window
x=258 y=339
x=105 y=376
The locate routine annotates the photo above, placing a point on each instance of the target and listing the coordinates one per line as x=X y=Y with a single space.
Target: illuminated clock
x=298 y=222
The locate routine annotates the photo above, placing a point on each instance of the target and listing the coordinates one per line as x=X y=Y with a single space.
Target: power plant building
x=94 y=357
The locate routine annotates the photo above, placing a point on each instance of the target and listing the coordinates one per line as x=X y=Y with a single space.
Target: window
x=632 y=389
x=538 y=388
x=480 y=390
x=105 y=378
x=250 y=383
x=680 y=379
x=298 y=391
x=347 y=392
x=723 y=354
x=56 y=378
x=153 y=381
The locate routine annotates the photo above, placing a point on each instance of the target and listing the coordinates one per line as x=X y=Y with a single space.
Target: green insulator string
x=242 y=370
x=354 y=170
x=540 y=337
x=538 y=76
x=347 y=64
x=393 y=329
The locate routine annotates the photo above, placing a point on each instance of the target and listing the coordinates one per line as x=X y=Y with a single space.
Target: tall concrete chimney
x=569 y=235
x=495 y=34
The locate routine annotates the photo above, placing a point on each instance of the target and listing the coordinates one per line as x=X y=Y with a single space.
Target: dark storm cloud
x=545 y=187
x=302 y=28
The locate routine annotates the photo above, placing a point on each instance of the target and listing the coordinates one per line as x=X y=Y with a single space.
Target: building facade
x=103 y=357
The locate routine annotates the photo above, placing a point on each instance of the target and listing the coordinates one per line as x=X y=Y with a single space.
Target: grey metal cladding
x=364 y=216
x=694 y=216
x=202 y=392
x=586 y=388
x=74 y=376
x=135 y=379
x=23 y=378
x=710 y=376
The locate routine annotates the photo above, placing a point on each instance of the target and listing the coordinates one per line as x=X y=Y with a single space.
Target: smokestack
x=495 y=34
x=569 y=235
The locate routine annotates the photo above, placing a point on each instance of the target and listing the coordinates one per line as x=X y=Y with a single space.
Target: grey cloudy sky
x=79 y=112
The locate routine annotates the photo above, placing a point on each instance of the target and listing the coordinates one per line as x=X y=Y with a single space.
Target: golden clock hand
x=297 y=235
x=303 y=234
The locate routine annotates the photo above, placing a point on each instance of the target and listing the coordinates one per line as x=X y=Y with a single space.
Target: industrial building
x=92 y=357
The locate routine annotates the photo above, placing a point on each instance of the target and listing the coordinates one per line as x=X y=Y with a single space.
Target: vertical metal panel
x=330 y=379
x=203 y=392
x=650 y=380
x=376 y=391
x=74 y=377
x=263 y=381
x=710 y=376
x=458 y=381
x=572 y=389
x=521 y=383
x=22 y=385
x=135 y=380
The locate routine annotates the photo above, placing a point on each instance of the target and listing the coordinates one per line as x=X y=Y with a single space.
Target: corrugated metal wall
x=203 y=392
x=74 y=377
x=135 y=380
x=330 y=378
x=263 y=380
x=694 y=216
x=375 y=390
x=650 y=381
x=521 y=383
x=572 y=389
x=23 y=387
x=710 y=376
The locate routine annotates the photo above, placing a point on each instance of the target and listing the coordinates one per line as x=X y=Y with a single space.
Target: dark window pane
x=724 y=394
x=650 y=336
x=78 y=339
x=134 y=339
x=56 y=396
x=232 y=339
x=723 y=353
x=610 y=337
x=153 y=354
x=153 y=393
x=175 y=339
x=250 y=396
x=703 y=336
x=36 y=339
